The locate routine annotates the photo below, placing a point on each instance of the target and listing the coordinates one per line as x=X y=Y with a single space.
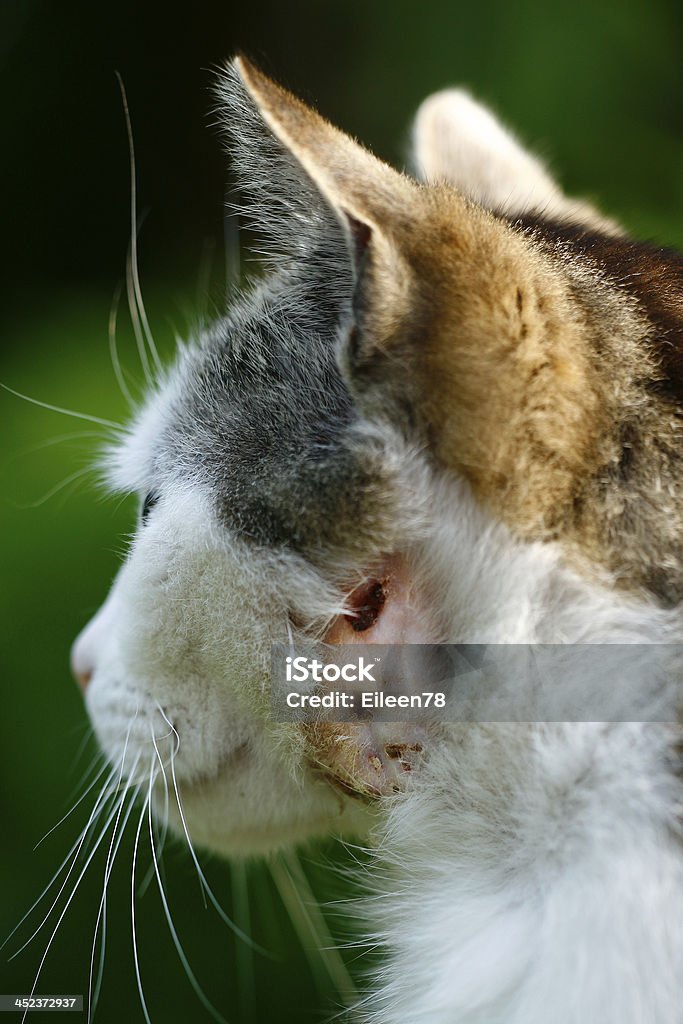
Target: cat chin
x=264 y=807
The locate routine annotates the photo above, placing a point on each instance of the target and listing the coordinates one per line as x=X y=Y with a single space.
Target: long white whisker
x=73 y=435
x=82 y=746
x=135 y=320
x=66 y=879
x=65 y=412
x=67 y=905
x=202 y=880
x=150 y=871
x=163 y=832
x=132 y=899
x=203 y=884
x=206 y=1003
x=135 y=291
x=113 y=348
x=96 y=811
x=78 y=802
x=71 y=478
x=161 y=838
x=114 y=845
x=101 y=801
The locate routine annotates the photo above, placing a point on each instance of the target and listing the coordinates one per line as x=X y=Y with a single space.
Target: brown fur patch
x=545 y=379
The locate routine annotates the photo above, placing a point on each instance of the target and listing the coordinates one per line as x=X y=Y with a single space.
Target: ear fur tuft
x=276 y=197
x=312 y=190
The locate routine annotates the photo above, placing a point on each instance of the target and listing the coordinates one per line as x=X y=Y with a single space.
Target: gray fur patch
x=265 y=420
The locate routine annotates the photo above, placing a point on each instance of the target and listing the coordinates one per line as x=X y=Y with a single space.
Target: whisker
x=202 y=880
x=114 y=845
x=163 y=833
x=206 y=1003
x=135 y=320
x=102 y=799
x=82 y=746
x=113 y=348
x=132 y=904
x=71 y=478
x=244 y=953
x=161 y=837
x=73 y=435
x=203 y=885
x=150 y=871
x=78 y=802
x=135 y=291
x=65 y=412
x=98 y=808
x=66 y=879
x=68 y=904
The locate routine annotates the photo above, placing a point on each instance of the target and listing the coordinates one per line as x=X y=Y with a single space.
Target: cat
x=449 y=411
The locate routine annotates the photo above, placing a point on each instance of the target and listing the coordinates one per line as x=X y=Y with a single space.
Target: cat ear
x=459 y=141
x=303 y=173
x=354 y=181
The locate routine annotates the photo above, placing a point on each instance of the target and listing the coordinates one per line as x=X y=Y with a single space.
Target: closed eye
x=151 y=498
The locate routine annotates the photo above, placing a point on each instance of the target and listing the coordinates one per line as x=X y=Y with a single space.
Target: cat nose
x=87 y=647
x=81 y=664
x=84 y=650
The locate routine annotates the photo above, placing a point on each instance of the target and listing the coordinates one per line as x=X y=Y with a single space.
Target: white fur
x=535 y=872
x=533 y=875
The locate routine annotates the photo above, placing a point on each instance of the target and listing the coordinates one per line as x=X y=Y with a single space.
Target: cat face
x=438 y=390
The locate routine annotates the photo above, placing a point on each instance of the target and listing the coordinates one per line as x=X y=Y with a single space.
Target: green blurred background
x=595 y=87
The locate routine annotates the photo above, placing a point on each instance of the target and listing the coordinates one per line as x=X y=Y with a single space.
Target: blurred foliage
x=596 y=88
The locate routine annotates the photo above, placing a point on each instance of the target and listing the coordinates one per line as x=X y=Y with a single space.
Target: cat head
x=446 y=393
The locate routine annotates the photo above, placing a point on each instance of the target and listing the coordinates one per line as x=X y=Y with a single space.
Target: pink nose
x=83 y=678
x=80 y=666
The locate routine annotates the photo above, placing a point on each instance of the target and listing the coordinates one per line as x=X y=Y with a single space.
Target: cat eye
x=151 y=498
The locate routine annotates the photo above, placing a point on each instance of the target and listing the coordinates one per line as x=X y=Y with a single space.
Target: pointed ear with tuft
x=313 y=180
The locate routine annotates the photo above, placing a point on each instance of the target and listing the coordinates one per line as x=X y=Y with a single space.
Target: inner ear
x=360 y=234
